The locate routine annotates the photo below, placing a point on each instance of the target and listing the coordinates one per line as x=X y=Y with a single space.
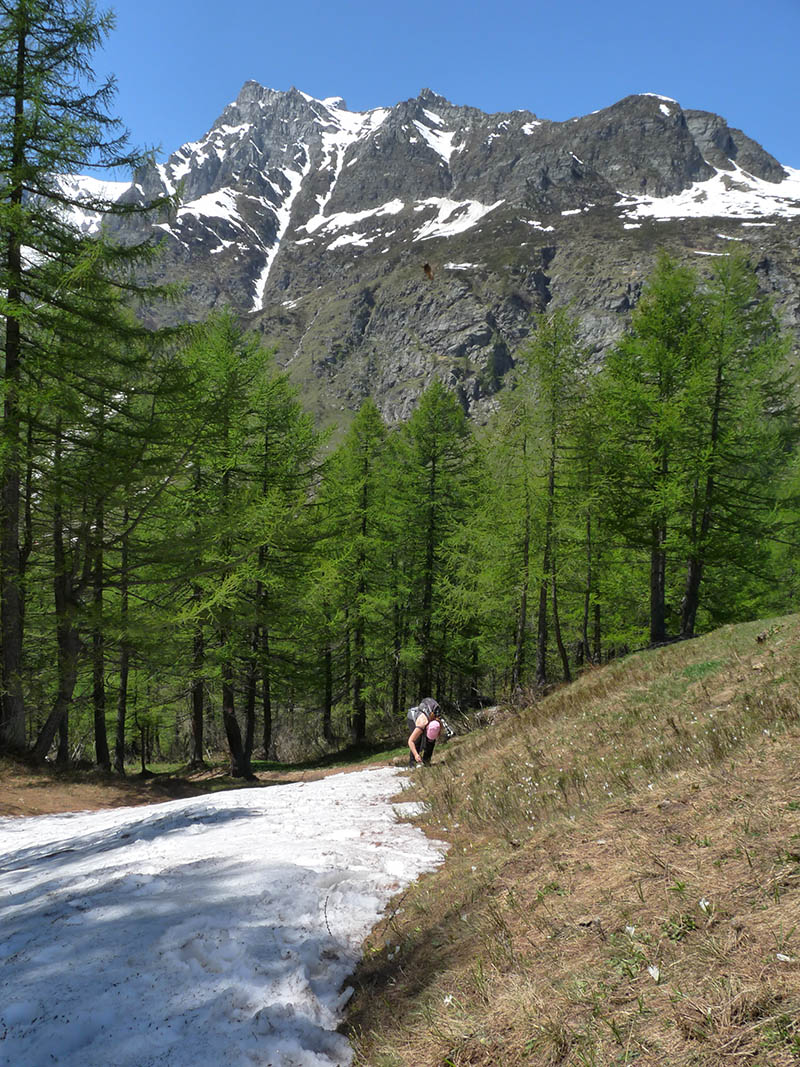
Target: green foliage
x=178 y=564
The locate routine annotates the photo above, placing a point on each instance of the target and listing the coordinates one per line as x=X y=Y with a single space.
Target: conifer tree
x=642 y=401
x=53 y=121
x=432 y=494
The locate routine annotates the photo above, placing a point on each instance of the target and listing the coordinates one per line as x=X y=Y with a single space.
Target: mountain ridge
x=378 y=250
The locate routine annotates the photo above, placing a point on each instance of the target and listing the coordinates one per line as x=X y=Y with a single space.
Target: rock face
x=379 y=250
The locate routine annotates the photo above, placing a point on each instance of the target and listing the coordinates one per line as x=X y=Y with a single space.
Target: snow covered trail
x=216 y=930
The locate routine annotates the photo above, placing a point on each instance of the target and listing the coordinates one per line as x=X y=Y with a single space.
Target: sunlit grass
x=623 y=879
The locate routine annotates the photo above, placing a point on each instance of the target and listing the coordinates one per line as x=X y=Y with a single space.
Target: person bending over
x=420 y=719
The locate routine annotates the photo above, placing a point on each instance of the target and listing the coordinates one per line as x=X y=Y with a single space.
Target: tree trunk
x=68 y=644
x=266 y=692
x=347 y=672
x=587 y=595
x=426 y=670
x=102 y=755
x=62 y=751
x=67 y=636
x=12 y=710
x=518 y=665
x=397 y=644
x=541 y=637
x=658 y=567
x=198 y=690
x=327 y=700
x=250 y=683
x=557 y=626
x=694 y=574
x=358 y=724
x=240 y=764
x=124 y=654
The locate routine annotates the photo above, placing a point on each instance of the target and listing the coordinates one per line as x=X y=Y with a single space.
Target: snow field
x=207 y=931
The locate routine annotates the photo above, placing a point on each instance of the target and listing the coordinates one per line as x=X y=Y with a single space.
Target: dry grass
x=623 y=883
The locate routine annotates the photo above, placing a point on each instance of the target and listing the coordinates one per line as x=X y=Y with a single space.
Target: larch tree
x=54 y=120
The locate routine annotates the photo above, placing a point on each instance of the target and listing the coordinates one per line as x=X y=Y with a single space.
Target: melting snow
x=440 y=141
x=218 y=205
x=529 y=127
x=452 y=216
x=284 y=214
x=342 y=219
x=83 y=187
x=219 y=929
x=360 y=240
x=348 y=127
x=731 y=194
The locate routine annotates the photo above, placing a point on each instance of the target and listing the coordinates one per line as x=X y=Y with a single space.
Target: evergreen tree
x=644 y=413
x=354 y=502
x=432 y=495
x=53 y=120
x=695 y=422
x=250 y=474
x=742 y=432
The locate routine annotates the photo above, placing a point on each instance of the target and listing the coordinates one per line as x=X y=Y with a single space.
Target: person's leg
x=428 y=750
x=411 y=720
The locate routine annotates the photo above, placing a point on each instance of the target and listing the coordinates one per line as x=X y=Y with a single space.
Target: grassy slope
x=623 y=881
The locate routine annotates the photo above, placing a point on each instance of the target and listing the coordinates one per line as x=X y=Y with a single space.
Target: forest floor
x=26 y=789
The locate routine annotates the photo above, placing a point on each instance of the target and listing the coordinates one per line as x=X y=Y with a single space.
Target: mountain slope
x=623 y=879
x=377 y=250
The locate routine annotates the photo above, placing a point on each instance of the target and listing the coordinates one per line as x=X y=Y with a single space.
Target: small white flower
x=448 y=999
x=630 y=930
x=654 y=972
x=784 y=958
x=704 y=905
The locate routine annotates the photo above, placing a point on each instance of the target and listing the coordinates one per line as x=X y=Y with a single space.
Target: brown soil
x=29 y=790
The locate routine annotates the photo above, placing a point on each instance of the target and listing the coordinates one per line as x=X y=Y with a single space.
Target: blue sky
x=178 y=63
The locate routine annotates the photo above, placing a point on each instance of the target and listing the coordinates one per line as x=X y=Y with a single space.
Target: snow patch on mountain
x=439 y=140
x=283 y=214
x=341 y=129
x=359 y=240
x=218 y=205
x=341 y=220
x=733 y=194
x=81 y=187
x=452 y=216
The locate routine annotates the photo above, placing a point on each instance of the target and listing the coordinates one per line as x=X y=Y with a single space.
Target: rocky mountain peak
x=379 y=248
